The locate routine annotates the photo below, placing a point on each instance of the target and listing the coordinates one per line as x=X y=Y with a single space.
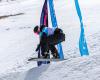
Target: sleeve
x=45 y=30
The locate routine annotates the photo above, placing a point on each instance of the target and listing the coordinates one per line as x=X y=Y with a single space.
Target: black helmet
x=36 y=28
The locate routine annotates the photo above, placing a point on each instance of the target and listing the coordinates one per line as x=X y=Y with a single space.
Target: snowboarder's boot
x=46 y=55
x=55 y=54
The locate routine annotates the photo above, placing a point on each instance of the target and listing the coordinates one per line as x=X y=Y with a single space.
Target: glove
x=38 y=47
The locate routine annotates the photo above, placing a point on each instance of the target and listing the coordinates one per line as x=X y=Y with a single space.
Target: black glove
x=38 y=47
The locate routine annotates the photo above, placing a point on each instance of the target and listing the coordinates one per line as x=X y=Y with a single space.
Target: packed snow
x=18 y=42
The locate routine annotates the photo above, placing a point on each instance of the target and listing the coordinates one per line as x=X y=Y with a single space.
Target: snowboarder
x=45 y=40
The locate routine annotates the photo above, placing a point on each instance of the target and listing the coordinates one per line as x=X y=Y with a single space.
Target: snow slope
x=17 y=41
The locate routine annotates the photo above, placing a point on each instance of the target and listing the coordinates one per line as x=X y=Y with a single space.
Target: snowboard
x=44 y=59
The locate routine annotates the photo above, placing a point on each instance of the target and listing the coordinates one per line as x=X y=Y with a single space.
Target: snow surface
x=17 y=41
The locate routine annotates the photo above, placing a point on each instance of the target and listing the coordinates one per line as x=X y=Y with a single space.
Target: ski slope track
x=18 y=42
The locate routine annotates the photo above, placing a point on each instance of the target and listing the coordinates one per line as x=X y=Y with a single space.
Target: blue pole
x=82 y=41
x=55 y=25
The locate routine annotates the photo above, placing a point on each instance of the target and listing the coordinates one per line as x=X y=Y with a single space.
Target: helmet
x=36 y=29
